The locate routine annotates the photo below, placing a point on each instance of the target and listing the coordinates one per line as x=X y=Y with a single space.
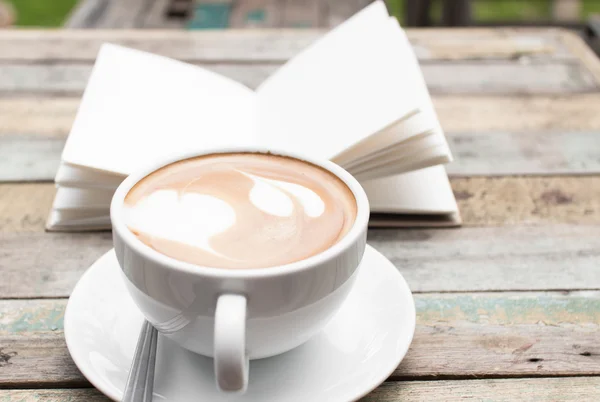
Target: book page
x=348 y=85
x=75 y=176
x=68 y=198
x=425 y=191
x=138 y=108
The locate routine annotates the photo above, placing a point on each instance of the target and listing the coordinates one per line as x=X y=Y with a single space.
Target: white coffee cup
x=235 y=315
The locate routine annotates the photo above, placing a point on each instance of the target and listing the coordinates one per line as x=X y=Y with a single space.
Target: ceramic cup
x=234 y=315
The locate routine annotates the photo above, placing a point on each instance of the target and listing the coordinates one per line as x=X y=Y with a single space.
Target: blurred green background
x=503 y=10
x=52 y=13
x=42 y=13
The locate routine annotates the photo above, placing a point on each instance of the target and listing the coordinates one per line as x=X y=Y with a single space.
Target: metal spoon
x=140 y=383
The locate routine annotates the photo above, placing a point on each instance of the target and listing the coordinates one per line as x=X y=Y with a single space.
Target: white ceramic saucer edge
x=86 y=284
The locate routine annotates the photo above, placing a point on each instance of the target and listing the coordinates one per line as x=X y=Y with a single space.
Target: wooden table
x=508 y=306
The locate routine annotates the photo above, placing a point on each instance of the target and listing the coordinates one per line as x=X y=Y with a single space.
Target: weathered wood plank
x=528 y=200
x=483 y=201
x=280 y=45
x=48 y=264
x=548 y=257
x=305 y=14
x=507 y=78
x=569 y=389
x=45 y=116
x=456 y=78
x=26 y=157
x=457 y=335
x=29 y=158
x=494 y=258
x=518 y=334
x=53 y=116
x=477 y=113
x=526 y=390
x=52 y=395
x=25 y=207
x=32 y=345
x=540 y=153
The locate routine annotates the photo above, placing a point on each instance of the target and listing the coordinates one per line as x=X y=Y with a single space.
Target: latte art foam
x=240 y=210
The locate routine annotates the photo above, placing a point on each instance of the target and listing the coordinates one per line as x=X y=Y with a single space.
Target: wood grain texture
x=457 y=335
x=29 y=158
x=508 y=77
x=305 y=14
x=480 y=113
x=36 y=158
x=41 y=116
x=548 y=257
x=571 y=389
x=47 y=264
x=524 y=153
x=492 y=201
x=52 y=395
x=483 y=201
x=279 y=46
x=494 y=258
x=525 y=390
x=53 y=116
x=32 y=346
x=24 y=207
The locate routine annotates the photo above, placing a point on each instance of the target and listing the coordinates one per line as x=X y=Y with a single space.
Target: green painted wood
x=458 y=335
x=210 y=16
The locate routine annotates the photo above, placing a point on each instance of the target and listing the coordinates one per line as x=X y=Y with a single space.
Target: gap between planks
x=466 y=335
x=508 y=258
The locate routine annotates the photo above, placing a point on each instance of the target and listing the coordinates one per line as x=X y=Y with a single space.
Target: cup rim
x=120 y=228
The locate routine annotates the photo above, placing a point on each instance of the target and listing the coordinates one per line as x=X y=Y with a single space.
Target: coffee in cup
x=240 y=210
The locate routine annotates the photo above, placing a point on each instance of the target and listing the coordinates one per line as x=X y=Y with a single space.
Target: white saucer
x=358 y=349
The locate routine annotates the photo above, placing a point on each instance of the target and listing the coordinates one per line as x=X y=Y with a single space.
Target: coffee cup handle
x=230 y=358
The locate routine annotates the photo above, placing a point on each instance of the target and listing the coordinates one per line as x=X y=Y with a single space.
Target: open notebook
x=356 y=97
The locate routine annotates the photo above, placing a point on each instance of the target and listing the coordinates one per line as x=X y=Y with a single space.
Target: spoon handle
x=140 y=382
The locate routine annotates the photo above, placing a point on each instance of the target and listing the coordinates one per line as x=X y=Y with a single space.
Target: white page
x=76 y=198
x=77 y=220
x=76 y=176
x=421 y=146
x=398 y=132
x=425 y=191
x=432 y=157
x=347 y=86
x=139 y=107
